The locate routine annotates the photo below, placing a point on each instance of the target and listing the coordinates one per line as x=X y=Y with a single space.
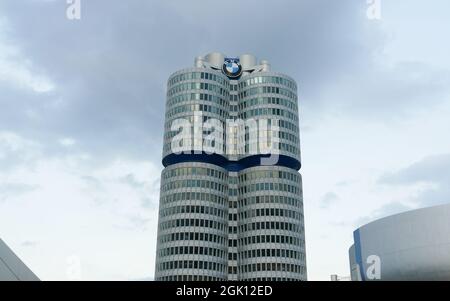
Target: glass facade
x=225 y=216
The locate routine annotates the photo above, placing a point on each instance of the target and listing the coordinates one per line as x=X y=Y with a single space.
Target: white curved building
x=229 y=208
x=410 y=246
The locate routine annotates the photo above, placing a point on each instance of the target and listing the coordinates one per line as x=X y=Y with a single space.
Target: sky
x=82 y=113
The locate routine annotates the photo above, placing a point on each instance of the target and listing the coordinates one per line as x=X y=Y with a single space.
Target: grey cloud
x=391 y=92
x=384 y=211
x=433 y=170
x=150 y=203
x=328 y=199
x=110 y=68
x=343 y=183
x=12 y=190
x=29 y=243
x=145 y=188
x=133 y=223
x=93 y=183
x=131 y=180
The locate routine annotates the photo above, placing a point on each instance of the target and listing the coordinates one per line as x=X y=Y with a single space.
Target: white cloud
x=16 y=69
x=328 y=199
x=67 y=142
x=78 y=209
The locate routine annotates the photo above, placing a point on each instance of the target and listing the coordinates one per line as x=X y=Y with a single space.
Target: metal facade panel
x=12 y=268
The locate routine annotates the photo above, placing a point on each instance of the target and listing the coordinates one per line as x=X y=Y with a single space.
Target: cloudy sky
x=82 y=112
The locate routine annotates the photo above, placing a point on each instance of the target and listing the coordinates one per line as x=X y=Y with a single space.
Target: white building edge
x=410 y=246
x=12 y=268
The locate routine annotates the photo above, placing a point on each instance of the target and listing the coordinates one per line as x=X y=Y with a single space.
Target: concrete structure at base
x=410 y=246
x=12 y=268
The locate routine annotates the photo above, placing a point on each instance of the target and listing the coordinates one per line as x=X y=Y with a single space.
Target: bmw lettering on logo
x=232 y=68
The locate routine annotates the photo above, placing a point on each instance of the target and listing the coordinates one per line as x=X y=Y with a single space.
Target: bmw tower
x=231 y=209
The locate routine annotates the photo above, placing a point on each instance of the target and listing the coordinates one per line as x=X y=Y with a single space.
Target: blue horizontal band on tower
x=229 y=165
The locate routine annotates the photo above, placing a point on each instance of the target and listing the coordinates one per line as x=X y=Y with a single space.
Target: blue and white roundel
x=231 y=67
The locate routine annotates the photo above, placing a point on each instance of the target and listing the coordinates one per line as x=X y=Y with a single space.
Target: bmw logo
x=232 y=68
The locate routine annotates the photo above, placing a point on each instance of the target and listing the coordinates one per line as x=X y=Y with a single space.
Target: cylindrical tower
x=193 y=213
x=232 y=208
x=270 y=207
x=193 y=223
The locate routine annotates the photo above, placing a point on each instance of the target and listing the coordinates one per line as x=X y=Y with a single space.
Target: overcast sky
x=82 y=112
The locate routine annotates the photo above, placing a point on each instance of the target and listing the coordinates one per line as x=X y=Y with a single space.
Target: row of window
x=192 y=236
x=244 y=83
x=281 y=123
x=267 y=90
x=268 y=186
x=278 y=253
x=271 y=199
x=272 y=239
x=192 y=264
x=288 y=136
x=191 y=250
x=231 y=270
x=215 y=146
x=288 y=125
x=194 y=184
x=192 y=118
x=271 y=174
x=232 y=230
x=268 y=111
x=234 y=97
x=271 y=212
x=198 y=86
x=219 y=136
x=192 y=222
x=196 y=107
x=247 y=201
x=192 y=209
x=233 y=180
x=199 y=196
x=271 y=279
x=194 y=171
x=218 y=267
x=251 y=240
x=232 y=108
x=268 y=101
x=271 y=226
x=267 y=80
x=189 y=278
x=252 y=148
x=232 y=256
x=169 y=133
x=198 y=75
x=232 y=217
x=269 y=133
x=272 y=267
x=196 y=96
x=288 y=148
x=232 y=243
x=268 y=199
